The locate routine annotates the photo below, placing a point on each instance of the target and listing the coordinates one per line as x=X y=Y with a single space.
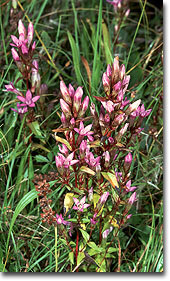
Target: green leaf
x=28 y=198
x=111 y=177
x=86 y=236
x=64 y=141
x=35 y=128
x=107 y=44
x=95 y=247
x=87 y=170
x=76 y=57
x=41 y=159
x=71 y=257
x=80 y=257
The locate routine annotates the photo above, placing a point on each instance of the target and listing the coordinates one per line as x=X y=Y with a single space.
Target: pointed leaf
x=87 y=170
x=111 y=177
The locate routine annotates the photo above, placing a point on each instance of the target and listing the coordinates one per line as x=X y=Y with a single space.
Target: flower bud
x=128 y=158
x=65 y=93
x=15 y=55
x=132 y=198
x=83 y=107
x=119 y=119
x=132 y=107
x=63 y=149
x=108 y=70
x=122 y=72
x=65 y=108
x=106 y=83
x=106 y=232
x=90 y=195
x=77 y=101
x=103 y=198
x=71 y=91
x=21 y=28
x=14 y=4
x=115 y=69
x=127 y=13
x=122 y=131
x=30 y=33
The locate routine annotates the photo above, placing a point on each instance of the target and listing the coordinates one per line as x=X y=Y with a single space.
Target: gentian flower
x=29 y=100
x=60 y=220
x=85 y=131
x=21 y=108
x=65 y=162
x=80 y=205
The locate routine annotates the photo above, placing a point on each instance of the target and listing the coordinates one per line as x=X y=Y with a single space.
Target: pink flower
x=85 y=131
x=60 y=220
x=65 y=162
x=130 y=188
x=63 y=149
x=80 y=205
x=103 y=198
x=15 y=55
x=132 y=198
x=83 y=107
x=106 y=232
x=21 y=108
x=65 y=93
x=11 y=88
x=128 y=158
x=108 y=105
x=143 y=112
x=77 y=100
x=29 y=100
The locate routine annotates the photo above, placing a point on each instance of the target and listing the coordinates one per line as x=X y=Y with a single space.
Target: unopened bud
x=15 y=55
x=21 y=28
x=127 y=13
x=14 y=4
x=122 y=72
x=65 y=93
x=106 y=83
x=65 y=108
x=83 y=107
x=30 y=33
x=77 y=100
x=128 y=158
x=133 y=106
x=132 y=198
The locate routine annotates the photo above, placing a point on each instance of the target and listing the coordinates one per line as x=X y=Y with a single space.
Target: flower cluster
x=100 y=149
x=22 y=52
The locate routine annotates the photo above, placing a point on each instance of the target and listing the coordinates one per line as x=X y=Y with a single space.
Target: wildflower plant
x=94 y=164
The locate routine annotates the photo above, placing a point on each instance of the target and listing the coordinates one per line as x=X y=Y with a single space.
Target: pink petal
x=35 y=98
x=28 y=95
x=76 y=201
x=70 y=157
x=21 y=98
x=81 y=125
x=75 y=208
x=15 y=40
x=86 y=206
x=32 y=104
x=73 y=162
x=77 y=130
x=83 y=200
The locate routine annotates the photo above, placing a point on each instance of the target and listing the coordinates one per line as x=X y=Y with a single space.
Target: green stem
x=56 y=258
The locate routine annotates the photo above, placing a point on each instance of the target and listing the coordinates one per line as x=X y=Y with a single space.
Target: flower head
x=28 y=100
x=60 y=220
x=21 y=108
x=80 y=205
x=85 y=131
x=65 y=162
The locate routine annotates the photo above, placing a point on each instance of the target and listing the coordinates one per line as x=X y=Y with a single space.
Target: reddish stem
x=77 y=244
